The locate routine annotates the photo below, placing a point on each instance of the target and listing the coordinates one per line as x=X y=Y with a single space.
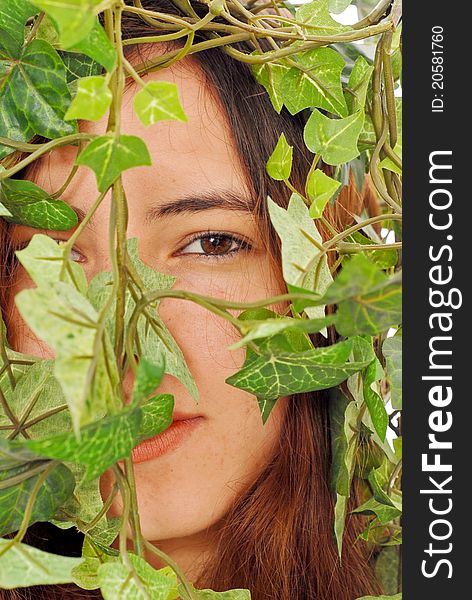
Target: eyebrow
x=194 y=203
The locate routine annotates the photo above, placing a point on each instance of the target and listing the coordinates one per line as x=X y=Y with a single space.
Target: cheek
x=20 y=336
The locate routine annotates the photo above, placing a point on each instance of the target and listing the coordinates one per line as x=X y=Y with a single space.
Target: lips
x=170 y=439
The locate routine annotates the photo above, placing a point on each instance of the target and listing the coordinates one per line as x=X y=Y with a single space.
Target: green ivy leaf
x=317 y=20
x=279 y=165
x=66 y=321
x=43 y=259
x=396 y=597
x=156 y=416
x=85 y=574
x=373 y=400
x=387 y=568
x=275 y=374
x=378 y=479
x=118 y=581
x=158 y=101
x=23 y=566
x=109 y=155
x=372 y=313
x=92 y=100
x=315 y=83
x=237 y=594
x=358 y=276
x=320 y=189
x=33 y=94
x=388 y=164
x=344 y=418
x=98 y=47
x=13 y=17
x=101 y=444
x=269 y=327
x=384 y=513
x=148 y=378
x=358 y=85
x=75 y=19
x=79 y=65
x=55 y=490
x=36 y=392
x=29 y=205
x=385 y=259
x=392 y=351
x=270 y=76
x=334 y=139
x=298 y=251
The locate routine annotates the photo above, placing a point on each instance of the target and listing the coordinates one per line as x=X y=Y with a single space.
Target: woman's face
x=186 y=193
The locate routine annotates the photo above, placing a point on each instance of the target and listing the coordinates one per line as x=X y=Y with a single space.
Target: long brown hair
x=277 y=539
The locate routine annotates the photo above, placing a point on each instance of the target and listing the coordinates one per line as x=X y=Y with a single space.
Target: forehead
x=200 y=150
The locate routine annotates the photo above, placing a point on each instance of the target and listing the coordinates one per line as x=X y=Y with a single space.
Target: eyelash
x=242 y=245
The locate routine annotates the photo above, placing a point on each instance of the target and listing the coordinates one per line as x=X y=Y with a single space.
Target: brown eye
x=215 y=245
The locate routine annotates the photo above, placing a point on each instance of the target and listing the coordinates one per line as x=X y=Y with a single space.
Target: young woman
x=235 y=503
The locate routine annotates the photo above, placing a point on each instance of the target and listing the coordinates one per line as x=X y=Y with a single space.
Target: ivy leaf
x=315 y=83
x=358 y=277
x=387 y=567
x=43 y=259
x=109 y=155
x=317 y=20
x=55 y=490
x=65 y=320
x=75 y=19
x=373 y=312
x=320 y=189
x=29 y=205
x=91 y=101
x=385 y=259
x=13 y=17
x=118 y=581
x=272 y=375
x=384 y=513
x=388 y=164
x=23 y=566
x=237 y=594
x=158 y=101
x=85 y=574
x=368 y=301
x=79 y=65
x=156 y=416
x=344 y=417
x=270 y=76
x=102 y=443
x=392 y=351
x=378 y=479
x=358 y=85
x=334 y=139
x=33 y=94
x=36 y=392
x=374 y=402
x=298 y=252
x=279 y=164
x=148 y=378
x=98 y=47
x=396 y=597
x=272 y=326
